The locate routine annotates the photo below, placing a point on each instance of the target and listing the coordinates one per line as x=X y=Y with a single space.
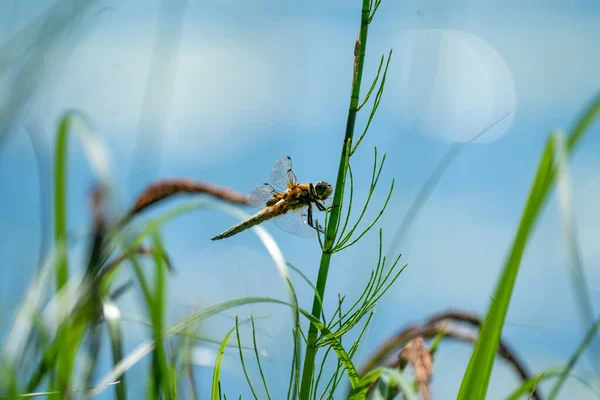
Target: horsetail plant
x=336 y=237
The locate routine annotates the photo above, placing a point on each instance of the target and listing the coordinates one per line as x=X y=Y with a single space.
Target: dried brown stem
x=97 y=202
x=166 y=188
x=419 y=356
x=448 y=324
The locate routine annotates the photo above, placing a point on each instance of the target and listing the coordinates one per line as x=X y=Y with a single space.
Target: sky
x=230 y=87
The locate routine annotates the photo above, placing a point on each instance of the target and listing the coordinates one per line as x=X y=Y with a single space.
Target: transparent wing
x=261 y=194
x=296 y=223
x=282 y=174
x=328 y=202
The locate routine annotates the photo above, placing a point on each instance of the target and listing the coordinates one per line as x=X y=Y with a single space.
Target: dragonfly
x=291 y=209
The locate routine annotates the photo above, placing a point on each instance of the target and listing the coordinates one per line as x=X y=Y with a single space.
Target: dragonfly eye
x=323 y=190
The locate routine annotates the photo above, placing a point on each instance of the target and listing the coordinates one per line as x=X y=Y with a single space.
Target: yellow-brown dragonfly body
x=291 y=209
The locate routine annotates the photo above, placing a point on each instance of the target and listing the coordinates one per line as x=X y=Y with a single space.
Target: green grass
x=40 y=360
x=479 y=370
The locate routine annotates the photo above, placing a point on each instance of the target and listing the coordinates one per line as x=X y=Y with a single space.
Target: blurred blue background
x=229 y=87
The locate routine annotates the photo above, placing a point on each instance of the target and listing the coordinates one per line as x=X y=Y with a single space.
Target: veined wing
x=296 y=223
x=282 y=174
x=261 y=195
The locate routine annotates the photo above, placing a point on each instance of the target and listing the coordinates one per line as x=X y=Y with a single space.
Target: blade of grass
x=35 y=54
x=430 y=183
x=217 y=370
x=99 y=159
x=530 y=384
x=60 y=201
x=591 y=334
x=160 y=363
x=143 y=349
x=50 y=393
x=16 y=338
x=476 y=379
x=262 y=375
x=112 y=316
x=242 y=360
x=567 y=213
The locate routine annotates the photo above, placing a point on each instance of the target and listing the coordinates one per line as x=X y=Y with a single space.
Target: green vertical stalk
x=60 y=201
x=60 y=239
x=311 y=349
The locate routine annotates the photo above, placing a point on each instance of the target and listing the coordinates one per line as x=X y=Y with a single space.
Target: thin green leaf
x=50 y=393
x=112 y=316
x=262 y=375
x=589 y=337
x=567 y=213
x=477 y=376
x=430 y=183
x=60 y=199
x=476 y=379
x=372 y=84
x=143 y=349
x=217 y=370
x=375 y=105
x=160 y=363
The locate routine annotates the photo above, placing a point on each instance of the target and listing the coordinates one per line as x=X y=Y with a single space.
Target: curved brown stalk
x=449 y=324
x=166 y=188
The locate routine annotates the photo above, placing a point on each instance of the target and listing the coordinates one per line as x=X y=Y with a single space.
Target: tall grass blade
x=217 y=369
x=160 y=364
x=36 y=52
x=589 y=337
x=143 y=349
x=430 y=183
x=476 y=379
x=60 y=201
x=567 y=213
x=112 y=316
x=262 y=375
x=242 y=360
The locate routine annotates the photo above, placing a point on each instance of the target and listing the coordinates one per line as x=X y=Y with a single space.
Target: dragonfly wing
x=261 y=194
x=328 y=202
x=282 y=174
x=296 y=223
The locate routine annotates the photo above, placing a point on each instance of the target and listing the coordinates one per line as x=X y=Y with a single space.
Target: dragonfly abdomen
x=256 y=219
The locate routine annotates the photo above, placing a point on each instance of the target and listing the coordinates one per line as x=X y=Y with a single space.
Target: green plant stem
x=311 y=348
x=60 y=200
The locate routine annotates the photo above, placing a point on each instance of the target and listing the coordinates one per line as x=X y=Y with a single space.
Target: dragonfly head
x=323 y=190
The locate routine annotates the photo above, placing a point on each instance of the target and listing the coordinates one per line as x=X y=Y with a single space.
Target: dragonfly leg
x=310 y=221
x=310 y=217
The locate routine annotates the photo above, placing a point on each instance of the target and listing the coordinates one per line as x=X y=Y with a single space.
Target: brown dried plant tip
x=97 y=200
x=451 y=325
x=100 y=227
x=168 y=187
x=417 y=355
